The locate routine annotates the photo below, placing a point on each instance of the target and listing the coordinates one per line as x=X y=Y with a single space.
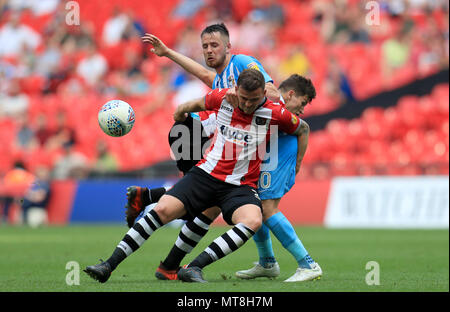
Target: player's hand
x=232 y=97
x=159 y=48
x=179 y=115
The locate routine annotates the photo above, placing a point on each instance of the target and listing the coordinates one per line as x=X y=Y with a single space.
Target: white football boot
x=259 y=271
x=302 y=274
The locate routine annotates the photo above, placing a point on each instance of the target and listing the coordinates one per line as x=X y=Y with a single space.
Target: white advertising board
x=388 y=202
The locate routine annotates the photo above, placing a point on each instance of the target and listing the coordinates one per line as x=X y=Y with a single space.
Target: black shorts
x=188 y=159
x=198 y=191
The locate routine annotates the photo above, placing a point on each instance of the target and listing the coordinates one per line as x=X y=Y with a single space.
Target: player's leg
x=241 y=208
x=285 y=233
x=137 y=199
x=267 y=265
x=167 y=209
x=191 y=233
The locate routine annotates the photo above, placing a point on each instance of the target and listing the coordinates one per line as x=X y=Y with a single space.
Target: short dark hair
x=301 y=86
x=220 y=28
x=251 y=79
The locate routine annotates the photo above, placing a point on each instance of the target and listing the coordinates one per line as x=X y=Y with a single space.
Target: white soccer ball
x=116 y=118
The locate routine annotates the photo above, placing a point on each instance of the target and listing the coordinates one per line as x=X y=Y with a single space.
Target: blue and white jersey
x=239 y=62
x=276 y=180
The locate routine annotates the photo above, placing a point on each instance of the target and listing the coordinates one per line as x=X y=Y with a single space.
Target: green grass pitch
x=34 y=260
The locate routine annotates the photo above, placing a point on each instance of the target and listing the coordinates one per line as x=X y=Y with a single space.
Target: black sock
x=117 y=257
x=191 y=233
x=146 y=197
x=223 y=245
x=202 y=260
x=172 y=261
x=135 y=237
x=156 y=194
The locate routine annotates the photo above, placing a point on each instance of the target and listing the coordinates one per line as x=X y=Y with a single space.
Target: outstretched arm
x=302 y=137
x=188 y=64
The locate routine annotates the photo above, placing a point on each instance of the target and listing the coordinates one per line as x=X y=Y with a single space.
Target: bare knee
x=169 y=208
x=249 y=215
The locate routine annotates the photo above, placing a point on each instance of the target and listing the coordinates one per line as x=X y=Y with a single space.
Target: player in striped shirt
x=226 y=177
x=274 y=182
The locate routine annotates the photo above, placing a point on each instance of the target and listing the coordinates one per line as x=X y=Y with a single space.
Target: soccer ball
x=116 y=118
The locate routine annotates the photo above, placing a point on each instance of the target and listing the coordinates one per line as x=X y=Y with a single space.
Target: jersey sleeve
x=288 y=122
x=214 y=98
x=245 y=61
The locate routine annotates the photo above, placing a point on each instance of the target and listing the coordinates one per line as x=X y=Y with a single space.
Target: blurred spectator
x=106 y=162
x=38 y=8
x=49 y=59
x=115 y=27
x=255 y=34
x=192 y=89
x=64 y=134
x=34 y=204
x=223 y=8
x=272 y=12
x=358 y=28
x=14 y=37
x=25 y=139
x=14 y=103
x=71 y=165
x=43 y=133
x=93 y=67
x=187 y=43
x=337 y=85
x=295 y=63
x=134 y=27
x=188 y=8
x=13 y=187
x=138 y=84
x=396 y=52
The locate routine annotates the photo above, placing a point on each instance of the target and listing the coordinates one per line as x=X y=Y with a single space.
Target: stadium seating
x=413 y=134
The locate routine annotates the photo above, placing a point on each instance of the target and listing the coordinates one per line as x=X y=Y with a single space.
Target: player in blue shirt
x=274 y=182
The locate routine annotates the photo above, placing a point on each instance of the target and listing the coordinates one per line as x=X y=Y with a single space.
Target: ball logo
x=131 y=115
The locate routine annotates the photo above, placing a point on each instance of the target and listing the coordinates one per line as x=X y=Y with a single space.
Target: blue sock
x=264 y=245
x=285 y=233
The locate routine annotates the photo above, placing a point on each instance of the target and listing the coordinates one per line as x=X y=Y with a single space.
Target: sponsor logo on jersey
x=260 y=121
x=235 y=135
x=253 y=65
x=294 y=119
x=227 y=108
x=231 y=81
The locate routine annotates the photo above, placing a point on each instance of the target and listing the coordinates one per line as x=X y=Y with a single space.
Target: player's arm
x=188 y=64
x=272 y=92
x=191 y=106
x=211 y=101
x=302 y=143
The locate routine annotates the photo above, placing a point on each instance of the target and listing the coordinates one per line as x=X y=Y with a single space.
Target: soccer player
x=226 y=176
x=273 y=185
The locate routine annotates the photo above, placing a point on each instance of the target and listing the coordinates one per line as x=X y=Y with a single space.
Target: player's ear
x=291 y=93
x=228 y=47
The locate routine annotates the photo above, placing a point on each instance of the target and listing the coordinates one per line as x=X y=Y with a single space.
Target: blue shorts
x=275 y=183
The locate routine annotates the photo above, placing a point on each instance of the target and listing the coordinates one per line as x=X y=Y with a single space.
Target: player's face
x=250 y=100
x=296 y=104
x=215 y=50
